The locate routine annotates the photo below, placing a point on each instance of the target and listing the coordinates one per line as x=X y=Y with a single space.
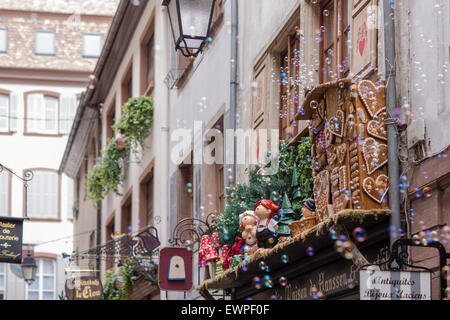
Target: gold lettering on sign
x=9 y=254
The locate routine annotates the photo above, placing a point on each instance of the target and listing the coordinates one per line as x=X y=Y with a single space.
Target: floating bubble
x=359 y=234
x=284 y=258
x=339 y=246
x=189 y=187
x=275 y=196
x=427 y=192
x=314 y=292
x=310 y=251
x=314 y=104
x=326 y=12
x=257 y=283
x=333 y=234
x=268 y=281
x=273 y=297
x=267 y=269
x=350 y=283
x=262 y=265
x=348 y=248
x=283 y=281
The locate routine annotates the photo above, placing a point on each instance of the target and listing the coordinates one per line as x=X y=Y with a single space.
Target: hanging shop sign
x=84 y=288
x=394 y=285
x=11 y=237
x=175 y=269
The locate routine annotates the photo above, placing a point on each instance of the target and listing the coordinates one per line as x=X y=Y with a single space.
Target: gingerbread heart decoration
x=336 y=124
x=375 y=155
x=373 y=97
x=377 y=126
x=376 y=189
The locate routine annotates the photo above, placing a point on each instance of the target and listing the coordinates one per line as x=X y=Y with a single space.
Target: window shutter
x=43 y=195
x=64 y=114
x=14 y=105
x=70 y=197
x=4 y=113
x=4 y=193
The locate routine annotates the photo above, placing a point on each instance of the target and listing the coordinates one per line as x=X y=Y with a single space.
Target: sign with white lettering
x=394 y=285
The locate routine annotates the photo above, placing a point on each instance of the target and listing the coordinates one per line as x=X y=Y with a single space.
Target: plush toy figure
x=248 y=225
x=265 y=210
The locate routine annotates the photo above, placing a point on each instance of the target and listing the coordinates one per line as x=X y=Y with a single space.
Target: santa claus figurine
x=266 y=211
x=248 y=223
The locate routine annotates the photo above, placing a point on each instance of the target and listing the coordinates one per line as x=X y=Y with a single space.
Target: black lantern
x=29 y=268
x=190 y=21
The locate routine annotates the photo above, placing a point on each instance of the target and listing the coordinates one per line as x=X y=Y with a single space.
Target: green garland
x=126 y=274
x=134 y=126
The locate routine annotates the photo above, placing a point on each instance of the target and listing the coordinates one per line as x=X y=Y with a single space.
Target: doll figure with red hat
x=266 y=211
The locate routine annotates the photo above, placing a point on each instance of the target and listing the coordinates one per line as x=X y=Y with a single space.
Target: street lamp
x=190 y=21
x=29 y=269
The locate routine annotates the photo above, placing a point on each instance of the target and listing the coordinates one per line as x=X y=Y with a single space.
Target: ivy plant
x=107 y=174
x=136 y=120
x=126 y=274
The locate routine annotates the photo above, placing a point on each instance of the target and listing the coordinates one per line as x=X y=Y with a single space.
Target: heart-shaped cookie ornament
x=376 y=189
x=377 y=127
x=375 y=155
x=336 y=124
x=373 y=97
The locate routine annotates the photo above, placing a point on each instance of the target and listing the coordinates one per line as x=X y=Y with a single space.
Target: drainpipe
x=99 y=204
x=391 y=103
x=231 y=119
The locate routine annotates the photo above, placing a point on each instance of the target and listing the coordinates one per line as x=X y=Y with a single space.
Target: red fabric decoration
x=225 y=257
x=237 y=247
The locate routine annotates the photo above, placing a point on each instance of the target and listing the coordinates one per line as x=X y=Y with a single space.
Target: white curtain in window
x=51 y=115
x=4 y=113
x=68 y=107
x=43 y=195
x=4 y=193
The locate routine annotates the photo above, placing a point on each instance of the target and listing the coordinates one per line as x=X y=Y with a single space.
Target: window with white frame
x=50 y=113
x=8 y=111
x=45 y=43
x=2 y=280
x=3 y=40
x=92 y=45
x=43 y=195
x=43 y=288
x=4 y=193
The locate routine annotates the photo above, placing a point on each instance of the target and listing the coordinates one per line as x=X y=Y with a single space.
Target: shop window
x=335 y=29
x=44 y=195
x=43 y=288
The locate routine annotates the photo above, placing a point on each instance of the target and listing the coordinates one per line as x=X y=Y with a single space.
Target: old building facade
x=48 y=51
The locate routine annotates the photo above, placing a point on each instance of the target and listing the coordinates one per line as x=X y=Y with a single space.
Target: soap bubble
x=257 y=283
x=268 y=281
x=359 y=234
x=262 y=265
x=310 y=251
x=284 y=258
x=283 y=281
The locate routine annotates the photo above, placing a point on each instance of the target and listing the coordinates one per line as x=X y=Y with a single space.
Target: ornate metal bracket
x=192 y=229
x=399 y=255
x=28 y=176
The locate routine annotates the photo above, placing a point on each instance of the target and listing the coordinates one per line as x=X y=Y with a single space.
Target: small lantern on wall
x=190 y=21
x=29 y=268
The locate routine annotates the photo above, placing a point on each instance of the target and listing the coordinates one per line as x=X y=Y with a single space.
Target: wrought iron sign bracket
x=28 y=176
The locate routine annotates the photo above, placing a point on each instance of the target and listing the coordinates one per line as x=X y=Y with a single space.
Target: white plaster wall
x=429 y=39
x=21 y=152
